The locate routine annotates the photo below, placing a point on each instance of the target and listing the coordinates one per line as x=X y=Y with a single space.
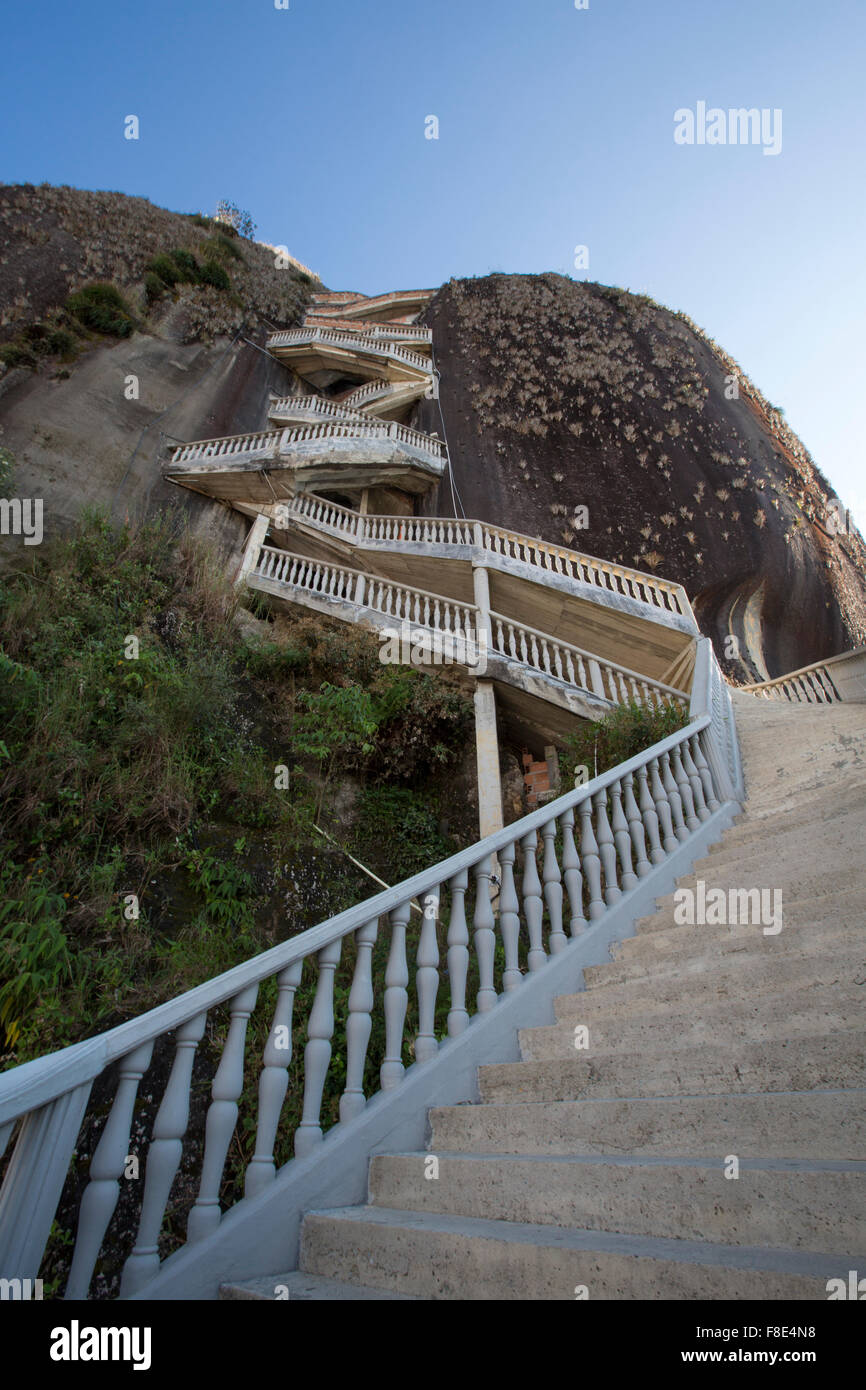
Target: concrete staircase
x=600 y=1171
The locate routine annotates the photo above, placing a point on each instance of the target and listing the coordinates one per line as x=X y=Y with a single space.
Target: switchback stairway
x=597 y=1167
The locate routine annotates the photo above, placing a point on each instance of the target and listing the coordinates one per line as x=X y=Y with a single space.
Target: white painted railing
x=353 y=341
x=369 y=329
x=272 y=443
x=549 y=559
x=579 y=668
x=372 y=390
x=538 y=651
x=297 y=407
x=399 y=601
x=603 y=574
x=266 y=443
x=836 y=680
x=597 y=843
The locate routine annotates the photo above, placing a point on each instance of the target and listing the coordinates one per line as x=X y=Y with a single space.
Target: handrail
x=811 y=684
x=278 y=441
x=631 y=819
x=338 y=338
x=94 y=1054
x=485 y=532
x=678 y=696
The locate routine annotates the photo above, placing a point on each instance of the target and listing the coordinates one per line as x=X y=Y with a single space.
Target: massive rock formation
x=77 y=432
x=558 y=395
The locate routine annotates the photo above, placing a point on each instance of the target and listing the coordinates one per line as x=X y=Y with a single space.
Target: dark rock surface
x=558 y=394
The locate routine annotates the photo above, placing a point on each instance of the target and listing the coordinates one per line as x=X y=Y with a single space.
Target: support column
x=481 y=586
x=487 y=760
x=255 y=540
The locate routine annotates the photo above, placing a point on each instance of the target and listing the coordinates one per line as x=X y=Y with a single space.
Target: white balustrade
x=626 y=829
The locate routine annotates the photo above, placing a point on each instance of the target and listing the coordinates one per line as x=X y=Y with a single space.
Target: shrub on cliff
x=103 y=309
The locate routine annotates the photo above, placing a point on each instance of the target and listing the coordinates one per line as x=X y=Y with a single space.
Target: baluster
x=106 y=1166
x=532 y=906
x=317 y=1053
x=427 y=979
x=704 y=773
x=701 y=808
x=674 y=799
x=552 y=889
x=635 y=827
x=581 y=670
x=606 y=849
x=534 y=648
x=359 y=1023
x=273 y=1082
x=590 y=859
x=396 y=1000
x=524 y=650
x=458 y=955
x=663 y=810
x=621 y=837
x=685 y=790
x=222 y=1116
x=483 y=935
x=571 y=873
x=569 y=668
x=509 y=919
x=163 y=1158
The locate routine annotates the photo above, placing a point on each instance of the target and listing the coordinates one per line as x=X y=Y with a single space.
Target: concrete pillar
x=255 y=540
x=487 y=760
x=481 y=586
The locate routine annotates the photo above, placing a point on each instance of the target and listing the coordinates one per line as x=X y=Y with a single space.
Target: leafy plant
x=211 y=273
x=629 y=729
x=34 y=956
x=236 y=218
x=102 y=308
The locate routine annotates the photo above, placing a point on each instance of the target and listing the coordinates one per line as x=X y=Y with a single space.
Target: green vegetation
x=103 y=309
x=212 y=273
x=147 y=843
x=181 y=267
x=165 y=268
x=626 y=731
x=38 y=340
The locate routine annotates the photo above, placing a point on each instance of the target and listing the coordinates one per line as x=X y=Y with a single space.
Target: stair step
x=811 y=1063
x=798 y=819
x=297 y=1287
x=791 y=861
x=798 y=915
x=798 y=1205
x=437 y=1256
x=822 y=1125
x=742 y=953
x=797 y=1014
x=739 y=977
x=789 y=989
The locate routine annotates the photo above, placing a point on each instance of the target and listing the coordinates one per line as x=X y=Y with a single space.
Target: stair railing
x=595 y=844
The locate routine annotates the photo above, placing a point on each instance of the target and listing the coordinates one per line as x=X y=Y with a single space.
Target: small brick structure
x=541 y=780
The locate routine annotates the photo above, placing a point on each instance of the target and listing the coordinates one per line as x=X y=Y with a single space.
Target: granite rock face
x=558 y=395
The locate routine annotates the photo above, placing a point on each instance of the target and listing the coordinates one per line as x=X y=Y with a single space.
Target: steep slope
x=558 y=394
x=68 y=417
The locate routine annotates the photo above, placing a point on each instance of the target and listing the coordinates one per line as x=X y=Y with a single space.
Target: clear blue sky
x=556 y=129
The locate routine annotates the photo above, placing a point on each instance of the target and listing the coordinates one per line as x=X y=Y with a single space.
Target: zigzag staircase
x=593 y=1163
